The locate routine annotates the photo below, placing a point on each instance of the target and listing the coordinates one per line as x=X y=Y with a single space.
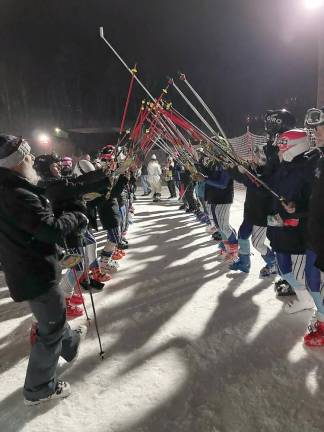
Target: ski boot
x=72 y=311
x=100 y=277
x=92 y=284
x=221 y=251
x=107 y=265
x=76 y=299
x=314 y=336
x=268 y=270
x=242 y=264
x=122 y=245
x=217 y=236
x=283 y=288
x=118 y=255
x=231 y=251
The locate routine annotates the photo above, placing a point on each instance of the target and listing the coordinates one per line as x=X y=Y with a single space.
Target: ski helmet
x=12 y=150
x=278 y=121
x=292 y=143
x=43 y=163
x=153 y=157
x=108 y=153
x=314 y=117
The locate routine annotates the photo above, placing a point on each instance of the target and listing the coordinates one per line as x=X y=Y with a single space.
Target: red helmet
x=292 y=143
x=108 y=153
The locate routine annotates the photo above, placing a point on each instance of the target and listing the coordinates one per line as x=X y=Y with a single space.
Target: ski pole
x=86 y=267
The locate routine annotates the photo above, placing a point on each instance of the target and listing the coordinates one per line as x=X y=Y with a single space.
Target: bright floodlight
x=43 y=139
x=313 y=4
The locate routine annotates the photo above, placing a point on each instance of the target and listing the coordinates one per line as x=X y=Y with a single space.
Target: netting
x=245 y=147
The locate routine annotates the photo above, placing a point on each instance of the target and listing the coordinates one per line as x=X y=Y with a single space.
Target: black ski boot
x=283 y=288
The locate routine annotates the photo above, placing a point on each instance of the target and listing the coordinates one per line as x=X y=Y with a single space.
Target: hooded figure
x=154 y=177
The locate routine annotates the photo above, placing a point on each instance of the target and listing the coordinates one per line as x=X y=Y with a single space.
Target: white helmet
x=292 y=143
x=153 y=157
x=82 y=167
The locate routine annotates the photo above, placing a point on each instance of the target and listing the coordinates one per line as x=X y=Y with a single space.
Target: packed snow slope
x=189 y=346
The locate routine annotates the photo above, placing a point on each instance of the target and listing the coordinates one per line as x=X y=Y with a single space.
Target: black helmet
x=278 y=121
x=42 y=164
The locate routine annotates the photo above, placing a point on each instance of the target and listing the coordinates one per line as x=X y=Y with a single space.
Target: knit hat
x=12 y=150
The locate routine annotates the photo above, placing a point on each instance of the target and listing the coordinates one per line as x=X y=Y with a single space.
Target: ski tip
x=101 y=32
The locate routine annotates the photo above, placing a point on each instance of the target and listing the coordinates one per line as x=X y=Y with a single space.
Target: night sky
x=243 y=56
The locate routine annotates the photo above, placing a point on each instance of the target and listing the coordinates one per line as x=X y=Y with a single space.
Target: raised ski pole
x=102 y=35
x=194 y=109
x=233 y=160
x=203 y=103
x=131 y=85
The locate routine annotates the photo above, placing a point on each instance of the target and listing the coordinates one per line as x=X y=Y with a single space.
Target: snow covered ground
x=189 y=347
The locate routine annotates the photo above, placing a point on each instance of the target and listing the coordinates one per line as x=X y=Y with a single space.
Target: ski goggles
x=314 y=117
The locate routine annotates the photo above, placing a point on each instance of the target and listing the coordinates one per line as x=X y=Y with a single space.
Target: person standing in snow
x=29 y=239
x=154 y=177
x=287 y=221
x=314 y=271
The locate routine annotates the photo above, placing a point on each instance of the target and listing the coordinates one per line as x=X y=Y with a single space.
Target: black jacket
x=316 y=215
x=29 y=234
x=67 y=195
x=258 y=202
x=293 y=182
x=215 y=195
x=108 y=209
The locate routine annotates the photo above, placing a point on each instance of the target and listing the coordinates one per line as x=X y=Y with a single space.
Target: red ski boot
x=77 y=299
x=231 y=251
x=315 y=335
x=72 y=311
x=100 y=277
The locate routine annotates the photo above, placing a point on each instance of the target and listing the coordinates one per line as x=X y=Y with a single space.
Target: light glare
x=43 y=139
x=313 y=4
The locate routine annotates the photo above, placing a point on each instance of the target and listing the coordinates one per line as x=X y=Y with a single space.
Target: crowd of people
x=284 y=220
x=50 y=207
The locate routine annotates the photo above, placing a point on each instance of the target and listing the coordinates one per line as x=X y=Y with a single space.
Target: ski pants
x=314 y=281
x=259 y=235
x=222 y=212
x=212 y=215
x=171 y=187
x=144 y=183
x=68 y=282
x=54 y=338
x=292 y=269
x=155 y=184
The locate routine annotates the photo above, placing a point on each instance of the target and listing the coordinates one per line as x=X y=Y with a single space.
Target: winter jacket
x=144 y=170
x=29 y=235
x=67 y=195
x=316 y=214
x=108 y=208
x=292 y=181
x=219 y=187
x=258 y=201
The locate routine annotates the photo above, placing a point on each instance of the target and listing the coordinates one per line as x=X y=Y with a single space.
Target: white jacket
x=154 y=169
